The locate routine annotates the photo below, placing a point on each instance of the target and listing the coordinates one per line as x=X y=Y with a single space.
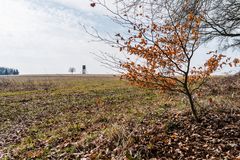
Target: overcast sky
x=46 y=37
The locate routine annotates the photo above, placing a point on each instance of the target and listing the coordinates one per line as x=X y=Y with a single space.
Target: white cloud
x=45 y=37
x=84 y=5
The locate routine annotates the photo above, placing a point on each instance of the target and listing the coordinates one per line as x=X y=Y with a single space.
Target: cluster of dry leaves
x=177 y=137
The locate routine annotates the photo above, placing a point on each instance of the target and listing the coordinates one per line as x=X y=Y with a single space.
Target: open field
x=102 y=117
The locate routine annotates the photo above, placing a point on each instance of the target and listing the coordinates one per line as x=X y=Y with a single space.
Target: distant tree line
x=8 y=71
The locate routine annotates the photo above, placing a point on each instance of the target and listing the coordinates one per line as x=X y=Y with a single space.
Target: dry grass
x=70 y=117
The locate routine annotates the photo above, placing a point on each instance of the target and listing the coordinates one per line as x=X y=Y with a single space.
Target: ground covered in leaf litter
x=217 y=136
x=104 y=118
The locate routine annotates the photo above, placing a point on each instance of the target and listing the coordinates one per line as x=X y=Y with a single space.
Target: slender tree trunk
x=189 y=95
x=193 y=108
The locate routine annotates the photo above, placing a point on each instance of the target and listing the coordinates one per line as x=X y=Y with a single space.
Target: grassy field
x=96 y=117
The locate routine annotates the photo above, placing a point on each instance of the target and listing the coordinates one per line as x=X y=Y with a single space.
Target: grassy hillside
x=101 y=117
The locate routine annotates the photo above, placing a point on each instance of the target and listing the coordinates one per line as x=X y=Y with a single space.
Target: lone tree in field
x=161 y=50
x=167 y=56
x=72 y=70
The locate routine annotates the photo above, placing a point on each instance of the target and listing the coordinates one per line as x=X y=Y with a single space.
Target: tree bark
x=193 y=108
